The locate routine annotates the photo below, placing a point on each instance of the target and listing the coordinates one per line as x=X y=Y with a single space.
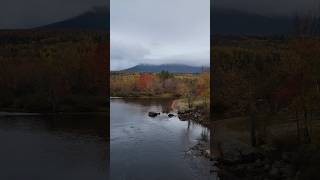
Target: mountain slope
x=227 y=21
x=96 y=19
x=173 y=68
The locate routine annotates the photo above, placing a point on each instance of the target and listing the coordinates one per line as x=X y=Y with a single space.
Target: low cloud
x=159 y=32
x=126 y=55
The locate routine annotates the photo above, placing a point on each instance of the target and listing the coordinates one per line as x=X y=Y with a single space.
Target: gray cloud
x=169 y=31
x=125 y=55
x=32 y=13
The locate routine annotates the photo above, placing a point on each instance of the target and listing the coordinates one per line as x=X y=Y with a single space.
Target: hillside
x=173 y=68
x=96 y=19
x=228 y=21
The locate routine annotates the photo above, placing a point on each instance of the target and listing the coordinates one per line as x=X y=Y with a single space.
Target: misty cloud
x=32 y=13
x=125 y=55
x=167 y=31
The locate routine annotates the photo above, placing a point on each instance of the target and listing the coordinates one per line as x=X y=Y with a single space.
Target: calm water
x=144 y=148
x=53 y=148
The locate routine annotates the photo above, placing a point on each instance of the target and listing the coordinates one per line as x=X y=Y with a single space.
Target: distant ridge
x=95 y=19
x=235 y=22
x=173 y=68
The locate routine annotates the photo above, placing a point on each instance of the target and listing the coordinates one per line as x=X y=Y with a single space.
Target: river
x=53 y=148
x=145 y=148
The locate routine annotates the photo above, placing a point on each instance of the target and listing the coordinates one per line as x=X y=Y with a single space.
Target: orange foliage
x=145 y=81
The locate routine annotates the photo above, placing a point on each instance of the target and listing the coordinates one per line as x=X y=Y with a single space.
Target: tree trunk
x=252 y=129
x=306 y=128
x=298 y=126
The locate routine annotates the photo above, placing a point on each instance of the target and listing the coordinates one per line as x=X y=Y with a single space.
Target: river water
x=145 y=148
x=53 y=148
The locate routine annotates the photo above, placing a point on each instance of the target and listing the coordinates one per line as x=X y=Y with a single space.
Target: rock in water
x=207 y=153
x=153 y=114
x=170 y=115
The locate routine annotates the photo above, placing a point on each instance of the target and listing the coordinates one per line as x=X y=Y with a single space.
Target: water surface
x=145 y=148
x=53 y=148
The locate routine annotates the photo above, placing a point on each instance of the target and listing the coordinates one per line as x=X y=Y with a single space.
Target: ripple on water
x=145 y=148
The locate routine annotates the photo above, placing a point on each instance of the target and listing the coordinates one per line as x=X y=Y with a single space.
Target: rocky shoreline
x=256 y=165
x=231 y=159
x=198 y=115
x=250 y=164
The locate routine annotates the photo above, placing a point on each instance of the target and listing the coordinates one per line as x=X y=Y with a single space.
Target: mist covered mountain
x=223 y=21
x=235 y=22
x=95 y=19
x=173 y=68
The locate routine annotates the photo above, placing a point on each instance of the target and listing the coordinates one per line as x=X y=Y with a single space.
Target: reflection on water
x=144 y=148
x=52 y=148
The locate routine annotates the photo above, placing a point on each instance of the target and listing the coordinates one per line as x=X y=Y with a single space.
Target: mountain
x=173 y=68
x=95 y=19
x=228 y=21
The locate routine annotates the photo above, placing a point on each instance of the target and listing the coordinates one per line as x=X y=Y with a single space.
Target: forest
x=162 y=84
x=266 y=90
x=190 y=90
x=53 y=71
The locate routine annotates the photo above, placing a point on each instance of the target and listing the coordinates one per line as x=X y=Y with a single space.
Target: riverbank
x=24 y=114
x=281 y=157
x=5 y=114
x=161 y=96
x=76 y=104
x=199 y=113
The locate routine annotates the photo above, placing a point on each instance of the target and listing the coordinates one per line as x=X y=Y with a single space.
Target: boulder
x=207 y=153
x=170 y=115
x=153 y=114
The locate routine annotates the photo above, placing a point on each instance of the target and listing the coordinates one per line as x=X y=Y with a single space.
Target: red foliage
x=200 y=89
x=145 y=81
x=284 y=94
x=98 y=65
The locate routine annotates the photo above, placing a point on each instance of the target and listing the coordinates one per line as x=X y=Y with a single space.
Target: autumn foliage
x=145 y=81
x=53 y=71
x=269 y=77
x=163 y=84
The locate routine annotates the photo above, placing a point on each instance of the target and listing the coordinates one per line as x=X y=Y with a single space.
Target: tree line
x=163 y=84
x=268 y=77
x=53 y=71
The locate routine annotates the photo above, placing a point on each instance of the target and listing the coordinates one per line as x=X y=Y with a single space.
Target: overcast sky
x=31 y=13
x=146 y=31
x=159 y=32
